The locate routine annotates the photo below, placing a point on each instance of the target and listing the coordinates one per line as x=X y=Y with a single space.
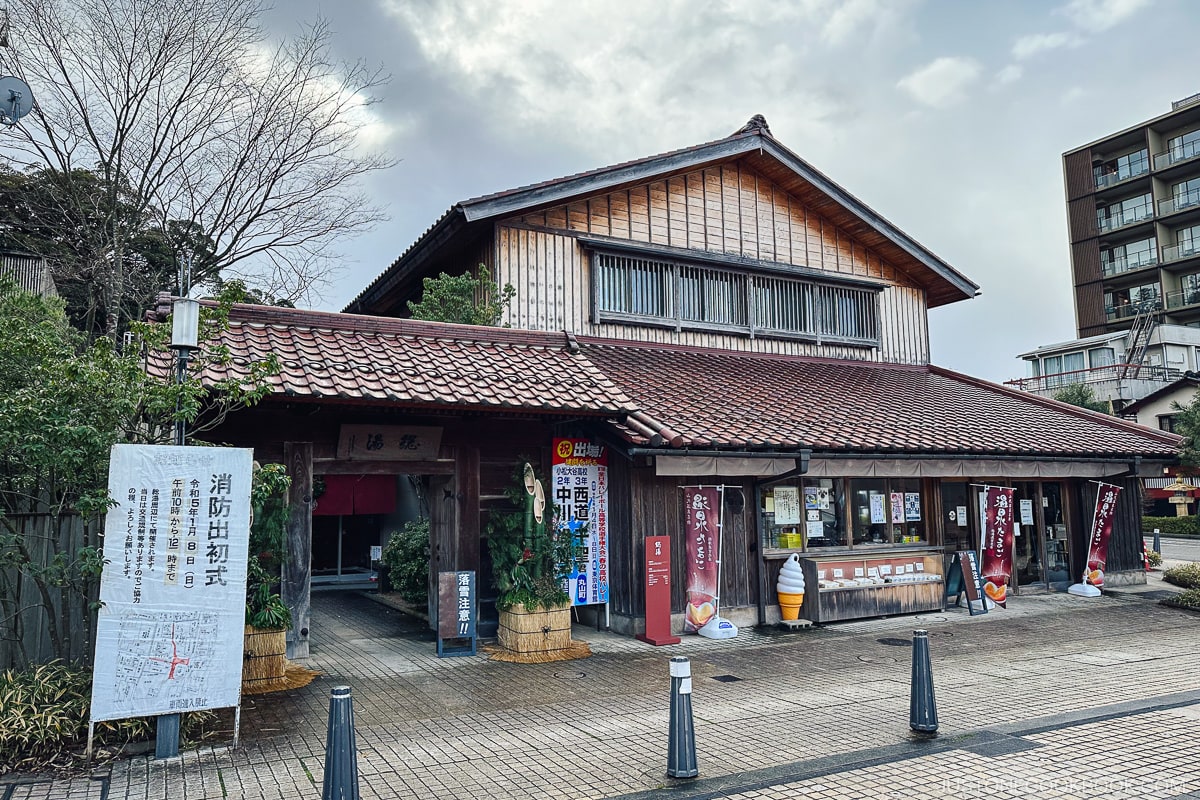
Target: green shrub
x=1155 y=558
x=1172 y=526
x=44 y=717
x=1188 y=599
x=268 y=533
x=531 y=558
x=1185 y=575
x=406 y=559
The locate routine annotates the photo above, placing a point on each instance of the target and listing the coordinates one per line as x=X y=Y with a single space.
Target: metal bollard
x=922 y=708
x=681 y=741
x=341 y=757
x=1157 y=543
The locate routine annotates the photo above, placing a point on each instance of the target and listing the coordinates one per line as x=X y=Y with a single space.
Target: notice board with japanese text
x=170 y=631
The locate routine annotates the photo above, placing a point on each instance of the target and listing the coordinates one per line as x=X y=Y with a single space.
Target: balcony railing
x=1125 y=216
x=1176 y=155
x=1132 y=309
x=1187 y=297
x=1113 y=178
x=1119 y=264
x=1179 y=202
x=1111 y=372
x=1175 y=252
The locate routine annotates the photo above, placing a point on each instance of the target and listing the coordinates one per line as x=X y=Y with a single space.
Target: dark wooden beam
x=297 y=566
x=468 y=509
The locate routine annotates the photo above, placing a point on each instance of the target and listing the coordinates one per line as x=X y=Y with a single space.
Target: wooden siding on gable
x=727 y=209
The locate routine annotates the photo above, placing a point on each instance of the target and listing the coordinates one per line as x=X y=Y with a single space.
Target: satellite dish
x=16 y=99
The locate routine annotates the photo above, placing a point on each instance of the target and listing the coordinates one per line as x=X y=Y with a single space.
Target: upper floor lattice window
x=686 y=296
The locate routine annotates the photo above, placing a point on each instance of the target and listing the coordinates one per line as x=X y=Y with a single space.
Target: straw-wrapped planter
x=265 y=659
x=538 y=631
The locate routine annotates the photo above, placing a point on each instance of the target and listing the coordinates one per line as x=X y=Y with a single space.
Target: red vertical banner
x=702 y=530
x=997 y=542
x=658 y=592
x=1102 y=522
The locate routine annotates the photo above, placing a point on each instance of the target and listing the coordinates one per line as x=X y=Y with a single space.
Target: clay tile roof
x=376 y=359
x=716 y=399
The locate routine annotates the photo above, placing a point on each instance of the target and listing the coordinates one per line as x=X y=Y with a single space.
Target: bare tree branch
x=192 y=118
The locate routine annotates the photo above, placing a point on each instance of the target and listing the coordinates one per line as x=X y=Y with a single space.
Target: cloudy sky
x=949 y=118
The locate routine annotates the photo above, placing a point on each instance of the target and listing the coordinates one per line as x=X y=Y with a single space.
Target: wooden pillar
x=467 y=469
x=297 y=566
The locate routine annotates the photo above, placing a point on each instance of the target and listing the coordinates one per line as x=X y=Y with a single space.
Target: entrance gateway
x=1041 y=542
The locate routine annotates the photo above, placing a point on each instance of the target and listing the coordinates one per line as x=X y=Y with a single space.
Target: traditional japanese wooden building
x=725 y=315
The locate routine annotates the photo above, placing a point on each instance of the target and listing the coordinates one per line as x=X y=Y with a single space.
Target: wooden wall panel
x=1077 y=174
x=1090 y=317
x=552 y=273
x=1125 y=543
x=1081 y=219
x=1085 y=261
x=655 y=508
x=726 y=209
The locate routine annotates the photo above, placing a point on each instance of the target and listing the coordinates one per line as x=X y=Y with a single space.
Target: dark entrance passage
x=353 y=517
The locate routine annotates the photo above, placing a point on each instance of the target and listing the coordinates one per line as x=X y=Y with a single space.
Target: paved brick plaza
x=1025 y=698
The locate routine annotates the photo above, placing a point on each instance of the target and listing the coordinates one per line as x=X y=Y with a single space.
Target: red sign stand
x=658 y=592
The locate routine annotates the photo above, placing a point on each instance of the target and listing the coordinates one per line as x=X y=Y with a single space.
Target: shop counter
x=842 y=586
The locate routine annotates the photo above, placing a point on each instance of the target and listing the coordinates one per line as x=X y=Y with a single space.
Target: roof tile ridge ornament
x=572 y=343
x=756 y=125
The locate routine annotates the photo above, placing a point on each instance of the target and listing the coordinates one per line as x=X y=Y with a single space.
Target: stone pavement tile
x=469 y=727
x=1144 y=756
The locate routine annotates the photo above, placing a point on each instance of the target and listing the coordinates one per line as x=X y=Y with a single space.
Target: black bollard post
x=681 y=742
x=341 y=757
x=922 y=709
x=1157 y=543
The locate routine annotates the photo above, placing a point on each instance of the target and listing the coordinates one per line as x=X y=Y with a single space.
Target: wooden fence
x=38 y=620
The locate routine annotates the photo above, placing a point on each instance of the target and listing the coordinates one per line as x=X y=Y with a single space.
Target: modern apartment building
x=1133 y=215
x=1133 y=211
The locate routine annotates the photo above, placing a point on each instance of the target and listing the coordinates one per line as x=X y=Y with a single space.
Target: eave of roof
x=357 y=359
x=1189 y=379
x=944 y=283
x=774 y=402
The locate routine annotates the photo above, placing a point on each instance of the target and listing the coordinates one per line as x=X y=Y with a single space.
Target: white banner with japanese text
x=580 y=474
x=170 y=632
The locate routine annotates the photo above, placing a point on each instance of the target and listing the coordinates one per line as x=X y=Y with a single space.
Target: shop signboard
x=658 y=592
x=579 y=471
x=964 y=578
x=1102 y=522
x=170 y=630
x=702 y=532
x=389 y=442
x=997 y=542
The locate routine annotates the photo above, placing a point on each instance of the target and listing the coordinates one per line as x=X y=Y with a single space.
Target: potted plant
x=531 y=560
x=267 y=617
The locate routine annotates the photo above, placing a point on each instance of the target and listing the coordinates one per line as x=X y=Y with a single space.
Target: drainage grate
x=726 y=678
x=894 y=642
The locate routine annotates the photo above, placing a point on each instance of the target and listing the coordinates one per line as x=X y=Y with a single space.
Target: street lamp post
x=185 y=336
